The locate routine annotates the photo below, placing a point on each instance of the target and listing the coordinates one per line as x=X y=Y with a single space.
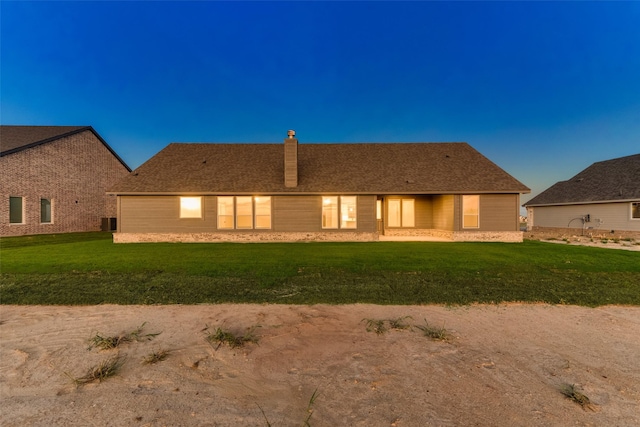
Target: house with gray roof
x=318 y=192
x=53 y=179
x=603 y=199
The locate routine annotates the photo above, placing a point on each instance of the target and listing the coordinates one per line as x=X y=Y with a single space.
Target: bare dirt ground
x=501 y=365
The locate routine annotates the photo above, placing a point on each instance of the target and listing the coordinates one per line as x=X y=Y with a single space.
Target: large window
x=342 y=215
x=45 y=211
x=263 y=212
x=330 y=212
x=471 y=211
x=190 y=207
x=244 y=212
x=348 y=212
x=16 y=211
x=635 y=210
x=401 y=213
x=225 y=212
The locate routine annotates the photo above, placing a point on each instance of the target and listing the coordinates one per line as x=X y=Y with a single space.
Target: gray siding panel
x=605 y=216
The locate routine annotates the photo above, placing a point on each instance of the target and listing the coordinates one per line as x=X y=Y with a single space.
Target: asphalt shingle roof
x=609 y=180
x=400 y=168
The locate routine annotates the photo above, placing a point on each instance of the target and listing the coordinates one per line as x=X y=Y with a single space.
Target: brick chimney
x=291 y=160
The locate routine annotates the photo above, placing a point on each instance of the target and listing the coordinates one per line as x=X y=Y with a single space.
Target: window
x=244 y=212
x=408 y=216
x=45 y=211
x=470 y=211
x=635 y=210
x=263 y=212
x=330 y=212
x=401 y=213
x=16 y=211
x=346 y=212
x=225 y=213
x=190 y=207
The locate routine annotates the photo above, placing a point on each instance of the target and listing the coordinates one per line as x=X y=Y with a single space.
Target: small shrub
x=105 y=369
x=221 y=336
x=433 y=332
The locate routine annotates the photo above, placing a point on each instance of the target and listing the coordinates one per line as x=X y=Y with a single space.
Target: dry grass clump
x=105 y=369
x=433 y=332
x=221 y=336
x=155 y=357
x=571 y=391
x=380 y=326
x=110 y=342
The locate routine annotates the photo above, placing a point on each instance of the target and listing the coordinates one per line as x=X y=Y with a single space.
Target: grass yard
x=87 y=268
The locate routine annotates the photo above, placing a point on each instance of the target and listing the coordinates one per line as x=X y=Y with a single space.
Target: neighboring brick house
x=53 y=179
x=318 y=192
x=602 y=200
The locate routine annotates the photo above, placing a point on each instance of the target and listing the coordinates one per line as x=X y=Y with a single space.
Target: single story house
x=53 y=179
x=602 y=200
x=318 y=192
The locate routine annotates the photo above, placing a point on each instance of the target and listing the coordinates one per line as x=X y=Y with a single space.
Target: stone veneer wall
x=563 y=233
x=459 y=236
x=243 y=237
x=488 y=236
x=418 y=232
x=248 y=237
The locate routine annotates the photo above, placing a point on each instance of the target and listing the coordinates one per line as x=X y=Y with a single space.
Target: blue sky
x=543 y=89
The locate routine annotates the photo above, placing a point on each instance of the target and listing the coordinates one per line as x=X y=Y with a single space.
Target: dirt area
x=500 y=365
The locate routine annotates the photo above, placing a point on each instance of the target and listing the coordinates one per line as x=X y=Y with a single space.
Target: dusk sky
x=543 y=89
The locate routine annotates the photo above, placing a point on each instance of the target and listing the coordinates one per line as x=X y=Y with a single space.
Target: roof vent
x=291 y=134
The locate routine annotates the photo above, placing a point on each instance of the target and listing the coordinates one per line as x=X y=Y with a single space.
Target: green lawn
x=88 y=268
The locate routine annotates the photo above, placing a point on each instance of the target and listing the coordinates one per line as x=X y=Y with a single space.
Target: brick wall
x=73 y=172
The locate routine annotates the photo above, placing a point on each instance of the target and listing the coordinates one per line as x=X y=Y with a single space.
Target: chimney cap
x=291 y=133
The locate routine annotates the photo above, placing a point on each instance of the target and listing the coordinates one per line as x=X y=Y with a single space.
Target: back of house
x=318 y=192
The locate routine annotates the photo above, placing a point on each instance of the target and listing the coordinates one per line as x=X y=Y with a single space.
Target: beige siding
x=424 y=211
x=161 y=214
x=297 y=213
x=304 y=213
x=604 y=216
x=367 y=213
x=498 y=212
x=443 y=212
